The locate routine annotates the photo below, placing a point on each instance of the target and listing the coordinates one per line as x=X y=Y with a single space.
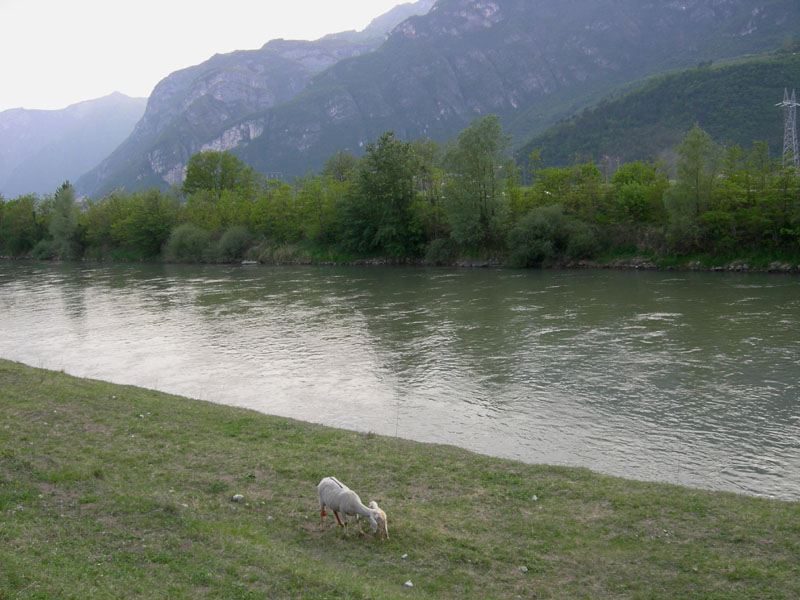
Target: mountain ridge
x=529 y=62
x=39 y=149
x=192 y=109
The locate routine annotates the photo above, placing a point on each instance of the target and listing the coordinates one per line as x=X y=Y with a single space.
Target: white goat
x=341 y=499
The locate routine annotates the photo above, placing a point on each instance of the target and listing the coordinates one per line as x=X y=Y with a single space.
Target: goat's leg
x=338 y=519
x=322 y=514
x=358 y=522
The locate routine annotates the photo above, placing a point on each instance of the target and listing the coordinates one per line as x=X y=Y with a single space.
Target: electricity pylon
x=790 y=153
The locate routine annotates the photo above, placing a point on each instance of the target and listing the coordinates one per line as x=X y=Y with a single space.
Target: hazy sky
x=57 y=52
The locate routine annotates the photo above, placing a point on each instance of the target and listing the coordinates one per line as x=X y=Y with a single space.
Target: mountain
x=39 y=149
x=734 y=103
x=529 y=61
x=193 y=109
x=383 y=24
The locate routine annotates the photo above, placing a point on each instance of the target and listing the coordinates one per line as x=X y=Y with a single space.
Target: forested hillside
x=734 y=103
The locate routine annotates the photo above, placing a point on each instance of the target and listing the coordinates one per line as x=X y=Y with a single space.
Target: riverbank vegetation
x=417 y=201
x=109 y=491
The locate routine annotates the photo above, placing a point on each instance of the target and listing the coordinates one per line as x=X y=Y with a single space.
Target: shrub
x=233 y=244
x=546 y=234
x=583 y=243
x=44 y=250
x=187 y=243
x=441 y=251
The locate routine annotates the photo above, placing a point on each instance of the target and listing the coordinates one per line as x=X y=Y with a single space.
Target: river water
x=689 y=378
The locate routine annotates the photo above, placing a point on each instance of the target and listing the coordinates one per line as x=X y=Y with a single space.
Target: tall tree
x=378 y=215
x=64 y=222
x=428 y=183
x=340 y=167
x=474 y=200
x=698 y=164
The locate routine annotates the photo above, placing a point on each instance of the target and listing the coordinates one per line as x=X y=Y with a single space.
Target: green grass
x=119 y=492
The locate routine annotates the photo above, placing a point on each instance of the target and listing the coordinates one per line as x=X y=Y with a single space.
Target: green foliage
x=20 y=226
x=64 y=222
x=408 y=199
x=340 y=167
x=44 y=250
x=547 y=234
x=148 y=223
x=429 y=186
x=578 y=188
x=217 y=212
x=377 y=215
x=733 y=102
x=475 y=204
x=276 y=215
x=638 y=189
x=441 y=251
x=698 y=165
x=101 y=221
x=187 y=243
x=318 y=201
x=215 y=172
x=233 y=244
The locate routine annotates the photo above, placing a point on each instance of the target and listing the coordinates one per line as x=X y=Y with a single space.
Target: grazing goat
x=341 y=499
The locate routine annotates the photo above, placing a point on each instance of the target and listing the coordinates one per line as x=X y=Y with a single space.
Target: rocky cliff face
x=39 y=149
x=205 y=106
x=529 y=61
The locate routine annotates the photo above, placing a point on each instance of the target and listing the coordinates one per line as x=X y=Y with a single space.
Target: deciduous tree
x=378 y=214
x=215 y=172
x=64 y=222
x=474 y=201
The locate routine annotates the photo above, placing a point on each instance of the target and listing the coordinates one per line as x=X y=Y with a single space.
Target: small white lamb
x=341 y=499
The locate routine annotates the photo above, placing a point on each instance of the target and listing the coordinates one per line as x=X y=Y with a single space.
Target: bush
x=233 y=244
x=582 y=242
x=546 y=234
x=187 y=243
x=441 y=251
x=44 y=250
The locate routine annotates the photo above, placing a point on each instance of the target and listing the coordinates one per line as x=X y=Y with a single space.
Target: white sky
x=54 y=53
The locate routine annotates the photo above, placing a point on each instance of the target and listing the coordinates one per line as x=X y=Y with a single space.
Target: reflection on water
x=687 y=378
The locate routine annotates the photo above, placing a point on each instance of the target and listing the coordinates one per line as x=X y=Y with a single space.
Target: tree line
x=422 y=201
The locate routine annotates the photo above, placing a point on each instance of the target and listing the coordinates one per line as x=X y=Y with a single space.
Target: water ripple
x=688 y=379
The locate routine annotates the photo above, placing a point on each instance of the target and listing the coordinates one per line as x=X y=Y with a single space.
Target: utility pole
x=790 y=152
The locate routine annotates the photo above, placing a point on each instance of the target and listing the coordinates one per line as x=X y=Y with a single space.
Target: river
x=688 y=378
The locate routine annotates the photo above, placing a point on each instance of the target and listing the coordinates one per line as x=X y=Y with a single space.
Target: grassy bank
x=118 y=492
